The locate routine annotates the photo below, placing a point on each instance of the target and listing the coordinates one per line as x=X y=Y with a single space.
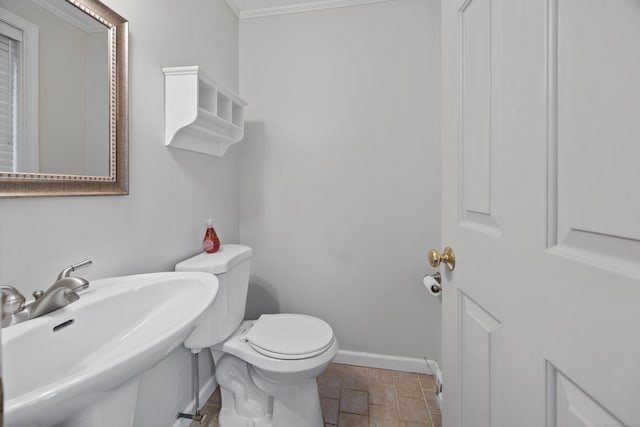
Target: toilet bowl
x=248 y=373
x=266 y=368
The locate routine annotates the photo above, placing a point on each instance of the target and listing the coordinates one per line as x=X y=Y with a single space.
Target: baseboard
x=206 y=390
x=383 y=361
x=437 y=373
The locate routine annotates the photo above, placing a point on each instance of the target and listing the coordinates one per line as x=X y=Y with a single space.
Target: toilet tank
x=231 y=265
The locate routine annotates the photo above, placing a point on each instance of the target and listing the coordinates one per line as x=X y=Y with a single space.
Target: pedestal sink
x=80 y=365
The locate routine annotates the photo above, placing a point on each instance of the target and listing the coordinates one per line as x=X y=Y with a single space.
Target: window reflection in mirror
x=54 y=89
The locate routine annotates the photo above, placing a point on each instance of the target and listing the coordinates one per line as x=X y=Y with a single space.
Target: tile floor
x=354 y=396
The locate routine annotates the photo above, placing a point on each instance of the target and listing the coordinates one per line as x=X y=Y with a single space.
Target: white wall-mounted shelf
x=200 y=114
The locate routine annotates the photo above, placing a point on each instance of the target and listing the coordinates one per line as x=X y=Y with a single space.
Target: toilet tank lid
x=227 y=257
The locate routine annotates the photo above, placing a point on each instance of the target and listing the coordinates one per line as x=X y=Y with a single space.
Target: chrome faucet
x=63 y=292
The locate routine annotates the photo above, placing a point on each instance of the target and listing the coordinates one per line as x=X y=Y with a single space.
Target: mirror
x=63 y=118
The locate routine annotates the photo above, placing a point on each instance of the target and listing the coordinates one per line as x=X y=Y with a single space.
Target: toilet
x=266 y=368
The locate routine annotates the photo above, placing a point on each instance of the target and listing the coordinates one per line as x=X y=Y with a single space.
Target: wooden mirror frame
x=117 y=183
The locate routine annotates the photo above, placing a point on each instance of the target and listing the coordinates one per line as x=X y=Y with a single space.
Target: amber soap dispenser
x=210 y=243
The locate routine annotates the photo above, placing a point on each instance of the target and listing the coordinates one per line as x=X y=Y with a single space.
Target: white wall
x=340 y=170
x=172 y=192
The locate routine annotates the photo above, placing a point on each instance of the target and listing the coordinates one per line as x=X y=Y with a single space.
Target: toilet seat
x=290 y=336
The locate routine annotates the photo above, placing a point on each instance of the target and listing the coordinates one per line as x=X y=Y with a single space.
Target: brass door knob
x=448 y=257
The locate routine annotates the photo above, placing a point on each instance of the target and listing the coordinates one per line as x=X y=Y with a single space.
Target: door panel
x=598 y=102
x=569 y=406
x=598 y=99
x=476 y=103
x=541 y=105
x=479 y=352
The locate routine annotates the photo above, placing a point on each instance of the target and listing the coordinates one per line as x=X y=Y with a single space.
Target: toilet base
x=249 y=399
x=228 y=418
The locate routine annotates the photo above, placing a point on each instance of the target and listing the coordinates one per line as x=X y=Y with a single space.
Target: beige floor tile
x=329 y=387
x=381 y=394
x=353 y=420
x=354 y=396
x=355 y=377
x=408 y=387
x=413 y=410
x=432 y=402
x=334 y=370
x=383 y=416
x=207 y=421
x=354 y=402
x=404 y=374
x=380 y=376
x=210 y=416
x=427 y=382
x=330 y=410
x=211 y=410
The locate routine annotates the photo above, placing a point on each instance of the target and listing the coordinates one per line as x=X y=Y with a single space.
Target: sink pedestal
x=113 y=408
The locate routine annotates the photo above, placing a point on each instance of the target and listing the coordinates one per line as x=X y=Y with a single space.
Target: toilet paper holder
x=437 y=277
x=433 y=283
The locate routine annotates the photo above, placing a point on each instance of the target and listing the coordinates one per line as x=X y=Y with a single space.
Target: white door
x=541 y=156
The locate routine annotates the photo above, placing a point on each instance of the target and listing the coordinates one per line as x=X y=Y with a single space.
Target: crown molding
x=296 y=8
x=234 y=7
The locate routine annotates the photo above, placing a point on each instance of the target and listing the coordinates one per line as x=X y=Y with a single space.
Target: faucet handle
x=12 y=300
x=37 y=294
x=67 y=271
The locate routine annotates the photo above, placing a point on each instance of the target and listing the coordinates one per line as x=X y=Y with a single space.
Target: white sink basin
x=80 y=365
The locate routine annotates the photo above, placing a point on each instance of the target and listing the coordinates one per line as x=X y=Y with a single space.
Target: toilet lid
x=290 y=336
